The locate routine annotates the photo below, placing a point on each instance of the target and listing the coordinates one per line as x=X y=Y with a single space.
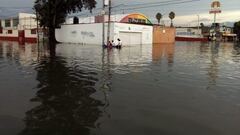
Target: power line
x=157 y=5
x=153 y=3
x=142 y=6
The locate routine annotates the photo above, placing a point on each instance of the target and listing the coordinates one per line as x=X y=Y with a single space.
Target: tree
x=236 y=29
x=158 y=17
x=202 y=25
x=171 y=16
x=51 y=13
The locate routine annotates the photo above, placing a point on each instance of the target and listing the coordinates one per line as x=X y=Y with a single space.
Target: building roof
x=6 y=13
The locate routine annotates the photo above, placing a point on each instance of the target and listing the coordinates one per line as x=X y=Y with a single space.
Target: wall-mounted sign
x=136 y=19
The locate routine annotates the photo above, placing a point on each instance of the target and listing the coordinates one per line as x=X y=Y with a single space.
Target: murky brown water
x=182 y=89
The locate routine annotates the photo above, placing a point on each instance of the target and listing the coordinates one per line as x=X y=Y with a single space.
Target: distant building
x=21 y=22
x=189 y=34
x=21 y=27
x=132 y=29
x=134 y=18
x=222 y=32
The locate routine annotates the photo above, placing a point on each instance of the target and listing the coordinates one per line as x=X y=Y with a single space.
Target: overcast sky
x=186 y=13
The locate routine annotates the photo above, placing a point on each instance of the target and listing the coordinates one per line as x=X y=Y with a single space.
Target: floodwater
x=174 y=89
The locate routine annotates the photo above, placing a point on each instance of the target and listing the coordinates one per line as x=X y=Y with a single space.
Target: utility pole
x=215 y=27
x=198 y=24
x=109 y=20
x=37 y=26
x=103 y=23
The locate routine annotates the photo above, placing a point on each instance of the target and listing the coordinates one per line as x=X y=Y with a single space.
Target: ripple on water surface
x=172 y=89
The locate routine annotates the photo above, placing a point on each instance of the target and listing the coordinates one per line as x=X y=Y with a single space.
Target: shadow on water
x=65 y=105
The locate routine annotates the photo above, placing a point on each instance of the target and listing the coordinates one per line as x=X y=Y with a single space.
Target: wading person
x=119 y=45
x=113 y=43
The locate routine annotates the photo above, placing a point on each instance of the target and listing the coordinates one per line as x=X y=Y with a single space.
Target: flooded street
x=181 y=89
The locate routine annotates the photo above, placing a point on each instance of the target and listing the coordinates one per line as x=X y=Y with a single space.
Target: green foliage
x=236 y=29
x=57 y=10
x=158 y=17
x=171 y=16
x=51 y=13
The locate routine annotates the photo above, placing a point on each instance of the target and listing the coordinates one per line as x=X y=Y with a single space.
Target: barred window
x=33 y=31
x=7 y=23
x=15 y=22
x=9 y=31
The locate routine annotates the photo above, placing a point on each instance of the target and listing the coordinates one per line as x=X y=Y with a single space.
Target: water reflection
x=213 y=69
x=160 y=51
x=106 y=81
x=23 y=55
x=78 y=86
x=236 y=52
x=66 y=105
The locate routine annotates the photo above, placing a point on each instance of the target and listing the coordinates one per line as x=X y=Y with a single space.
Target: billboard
x=106 y=2
x=215 y=7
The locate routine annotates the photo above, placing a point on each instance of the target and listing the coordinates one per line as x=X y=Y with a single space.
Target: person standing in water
x=113 y=43
x=109 y=44
x=119 y=43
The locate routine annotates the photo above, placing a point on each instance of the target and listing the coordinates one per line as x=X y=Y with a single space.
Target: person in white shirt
x=113 y=43
x=119 y=43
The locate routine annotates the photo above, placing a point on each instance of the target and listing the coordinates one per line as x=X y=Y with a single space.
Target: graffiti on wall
x=84 y=33
x=88 y=34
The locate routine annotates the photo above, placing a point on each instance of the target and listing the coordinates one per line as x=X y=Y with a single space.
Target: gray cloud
x=11 y=7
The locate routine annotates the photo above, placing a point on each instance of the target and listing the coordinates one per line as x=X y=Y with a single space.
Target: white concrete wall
x=146 y=31
x=29 y=35
x=92 y=33
x=80 y=33
x=27 y=21
x=6 y=34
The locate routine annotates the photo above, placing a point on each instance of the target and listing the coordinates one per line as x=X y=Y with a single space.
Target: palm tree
x=202 y=25
x=158 y=17
x=171 y=16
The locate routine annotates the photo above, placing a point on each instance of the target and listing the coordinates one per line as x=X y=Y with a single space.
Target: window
x=33 y=31
x=15 y=22
x=75 y=20
x=9 y=31
x=7 y=23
